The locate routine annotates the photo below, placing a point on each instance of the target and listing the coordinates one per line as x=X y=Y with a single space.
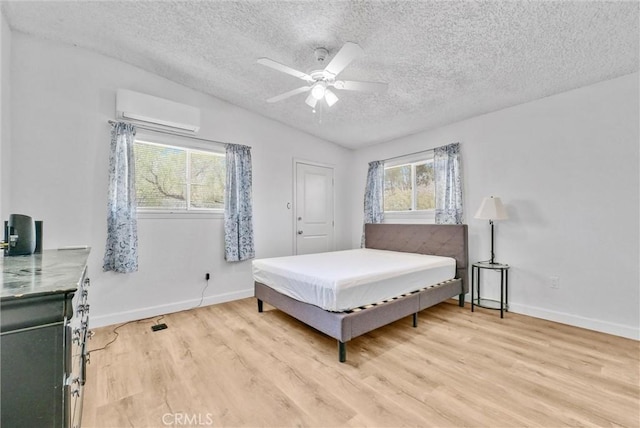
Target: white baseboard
x=154 y=311
x=575 y=320
x=561 y=317
x=578 y=321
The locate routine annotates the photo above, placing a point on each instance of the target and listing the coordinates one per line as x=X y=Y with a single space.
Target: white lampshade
x=491 y=209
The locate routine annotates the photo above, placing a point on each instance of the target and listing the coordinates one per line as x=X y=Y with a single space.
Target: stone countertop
x=52 y=271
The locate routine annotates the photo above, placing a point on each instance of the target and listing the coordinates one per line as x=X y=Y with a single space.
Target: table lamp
x=491 y=209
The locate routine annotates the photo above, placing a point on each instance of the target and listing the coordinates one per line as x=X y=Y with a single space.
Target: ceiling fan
x=320 y=81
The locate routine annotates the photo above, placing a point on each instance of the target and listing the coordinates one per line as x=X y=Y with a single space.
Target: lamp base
x=493 y=255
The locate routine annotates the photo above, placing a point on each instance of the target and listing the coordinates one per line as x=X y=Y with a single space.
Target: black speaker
x=23 y=234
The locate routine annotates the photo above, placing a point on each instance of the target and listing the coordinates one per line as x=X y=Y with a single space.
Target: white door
x=313 y=208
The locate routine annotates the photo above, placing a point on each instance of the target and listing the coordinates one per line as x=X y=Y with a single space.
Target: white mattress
x=343 y=280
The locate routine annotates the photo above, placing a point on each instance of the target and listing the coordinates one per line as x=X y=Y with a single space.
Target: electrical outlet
x=555 y=282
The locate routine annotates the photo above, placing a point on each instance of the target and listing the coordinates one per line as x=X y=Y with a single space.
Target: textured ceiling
x=444 y=60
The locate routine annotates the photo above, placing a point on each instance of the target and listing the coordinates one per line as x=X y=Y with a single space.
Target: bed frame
x=440 y=240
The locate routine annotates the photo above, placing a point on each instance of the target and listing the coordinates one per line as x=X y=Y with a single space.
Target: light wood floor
x=228 y=365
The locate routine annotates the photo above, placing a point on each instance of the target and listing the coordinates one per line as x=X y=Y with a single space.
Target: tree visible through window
x=409 y=187
x=177 y=178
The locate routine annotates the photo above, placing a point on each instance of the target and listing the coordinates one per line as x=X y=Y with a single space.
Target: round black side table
x=476 y=300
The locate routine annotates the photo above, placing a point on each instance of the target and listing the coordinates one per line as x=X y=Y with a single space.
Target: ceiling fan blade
x=289 y=94
x=345 y=55
x=285 y=69
x=351 y=85
x=311 y=101
x=330 y=97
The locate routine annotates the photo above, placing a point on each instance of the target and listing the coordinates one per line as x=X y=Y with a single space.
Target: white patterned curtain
x=373 y=195
x=238 y=206
x=448 y=183
x=121 y=252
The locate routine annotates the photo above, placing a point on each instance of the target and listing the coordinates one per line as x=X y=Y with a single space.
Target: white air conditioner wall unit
x=157 y=112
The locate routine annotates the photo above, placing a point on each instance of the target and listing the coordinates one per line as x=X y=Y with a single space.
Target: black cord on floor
x=157 y=321
x=115 y=331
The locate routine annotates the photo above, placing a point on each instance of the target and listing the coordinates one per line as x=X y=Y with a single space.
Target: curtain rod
x=162 y=131
x=408 y=154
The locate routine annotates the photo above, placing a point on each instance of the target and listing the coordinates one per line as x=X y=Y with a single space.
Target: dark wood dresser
x=44 y=317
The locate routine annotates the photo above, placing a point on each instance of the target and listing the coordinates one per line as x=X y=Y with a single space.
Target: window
x=178 y=179
x=409 y=187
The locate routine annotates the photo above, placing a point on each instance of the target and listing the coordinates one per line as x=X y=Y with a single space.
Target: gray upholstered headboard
x=449 y=240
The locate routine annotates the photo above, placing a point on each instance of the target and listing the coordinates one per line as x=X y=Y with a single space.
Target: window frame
x=413 y=215
x=190 y=145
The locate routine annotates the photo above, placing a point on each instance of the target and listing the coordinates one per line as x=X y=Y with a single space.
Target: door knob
x=299 y=232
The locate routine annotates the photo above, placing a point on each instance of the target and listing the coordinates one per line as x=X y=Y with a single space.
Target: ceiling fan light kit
x=319 y=90
x=319 y=81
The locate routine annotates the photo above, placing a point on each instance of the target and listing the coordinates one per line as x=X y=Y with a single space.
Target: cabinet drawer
x=24 y=312
x=32 y=371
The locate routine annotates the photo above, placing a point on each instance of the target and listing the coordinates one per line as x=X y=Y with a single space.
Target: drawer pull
x=81 y=309
x=77 y=334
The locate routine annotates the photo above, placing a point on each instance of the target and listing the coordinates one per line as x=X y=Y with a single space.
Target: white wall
x=566 y=167
x=5 y=114
x=61 y=100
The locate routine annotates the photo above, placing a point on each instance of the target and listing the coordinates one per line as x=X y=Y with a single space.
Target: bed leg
x=342 y=351
x=415 y=319
x=461 y=300
x=259 y=305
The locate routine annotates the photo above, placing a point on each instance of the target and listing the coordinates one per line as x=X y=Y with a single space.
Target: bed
x=332 y=312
